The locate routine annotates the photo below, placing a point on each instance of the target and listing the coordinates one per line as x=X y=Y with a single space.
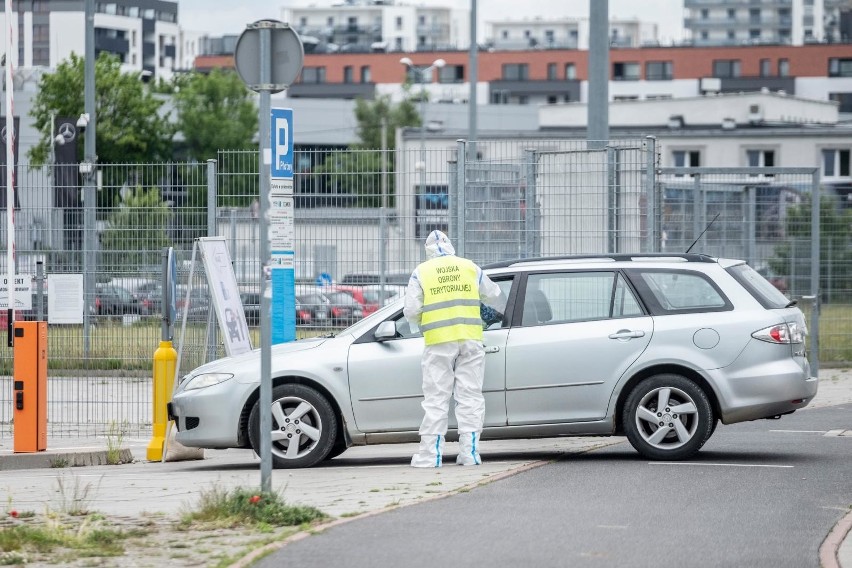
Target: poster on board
x=225 y=295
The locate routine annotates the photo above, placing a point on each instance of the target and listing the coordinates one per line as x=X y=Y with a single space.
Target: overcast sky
x=220 y=17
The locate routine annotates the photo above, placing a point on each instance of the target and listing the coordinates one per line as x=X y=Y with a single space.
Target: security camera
x=83 y=122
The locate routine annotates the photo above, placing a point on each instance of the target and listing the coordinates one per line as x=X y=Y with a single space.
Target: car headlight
x=206 y=380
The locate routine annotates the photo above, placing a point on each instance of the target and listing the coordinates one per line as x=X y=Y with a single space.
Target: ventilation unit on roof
x=728 y=123
x=755 y=114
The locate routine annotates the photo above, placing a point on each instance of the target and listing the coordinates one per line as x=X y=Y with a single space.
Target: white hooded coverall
x=450 y=369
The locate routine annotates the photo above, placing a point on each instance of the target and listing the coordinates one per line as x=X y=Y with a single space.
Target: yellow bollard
x=165 y=360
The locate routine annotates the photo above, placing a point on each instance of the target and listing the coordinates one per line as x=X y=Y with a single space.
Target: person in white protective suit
x=443 y=301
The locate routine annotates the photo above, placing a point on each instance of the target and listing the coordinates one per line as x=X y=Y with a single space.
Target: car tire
x=339 y=447
x=687 y=417
x=307 y=417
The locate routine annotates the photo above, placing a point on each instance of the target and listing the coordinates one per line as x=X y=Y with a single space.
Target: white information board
x=225 y=295
x=65 y=300
x=23 y=292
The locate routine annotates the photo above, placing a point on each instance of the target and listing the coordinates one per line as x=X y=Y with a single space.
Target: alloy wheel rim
x=296 y=427
x=667 y=418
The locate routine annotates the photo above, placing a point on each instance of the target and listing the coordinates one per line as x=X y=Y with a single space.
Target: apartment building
x=750 y=22
x=816 y=71
x=144 y=34
x=564 y=33
x=363 y=26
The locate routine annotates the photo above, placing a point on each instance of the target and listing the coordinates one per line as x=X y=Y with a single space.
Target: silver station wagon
x=657 y=348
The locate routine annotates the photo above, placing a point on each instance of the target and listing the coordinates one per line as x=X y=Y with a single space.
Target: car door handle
x=627 y=334
x=492 y=349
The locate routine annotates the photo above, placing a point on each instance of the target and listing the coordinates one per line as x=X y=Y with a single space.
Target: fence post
x=530 y=166
x=39 y=290
x=612 y=199
x=453 y=205
x=212 y=195
x=816 y=235
x=697 y=207
x=461 y=171
x=751 y=225
x=651 y=192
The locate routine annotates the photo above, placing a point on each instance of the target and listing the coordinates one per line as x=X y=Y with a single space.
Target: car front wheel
x=304 y=427
x=667 y=417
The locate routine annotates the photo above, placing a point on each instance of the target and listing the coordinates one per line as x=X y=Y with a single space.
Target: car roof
x=573 y=260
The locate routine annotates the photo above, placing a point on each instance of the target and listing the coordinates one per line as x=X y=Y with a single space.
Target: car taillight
x=782 y=333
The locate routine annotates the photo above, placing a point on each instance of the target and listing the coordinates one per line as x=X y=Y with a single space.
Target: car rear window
x=678 y=291
x=758 y=286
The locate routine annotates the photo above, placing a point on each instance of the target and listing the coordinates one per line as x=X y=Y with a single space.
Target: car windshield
x=758 y=286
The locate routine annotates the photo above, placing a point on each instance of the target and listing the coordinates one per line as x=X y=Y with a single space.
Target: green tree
x=358 y=172
x=369 y=115
x=137 y=230
x=214 y=112
x=130 y=125
x=793 y=256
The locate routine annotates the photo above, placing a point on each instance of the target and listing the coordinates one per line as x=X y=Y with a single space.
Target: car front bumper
x=210 y=417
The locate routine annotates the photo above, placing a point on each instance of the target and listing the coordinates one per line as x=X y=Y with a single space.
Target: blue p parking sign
x=281 y=132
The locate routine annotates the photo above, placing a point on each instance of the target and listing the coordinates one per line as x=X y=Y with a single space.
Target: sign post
x=264 y=73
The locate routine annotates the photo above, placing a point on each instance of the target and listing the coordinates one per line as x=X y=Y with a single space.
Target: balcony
x=559 y=87
x=111 y=44
x=755 y=84
x=332 y=90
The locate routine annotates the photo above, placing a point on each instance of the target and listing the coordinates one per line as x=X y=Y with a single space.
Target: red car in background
x=357 y=292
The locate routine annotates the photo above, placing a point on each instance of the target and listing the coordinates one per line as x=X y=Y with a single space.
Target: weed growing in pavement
x=248 y=507
x=115 y=437
x=59 y=463
x=74 y=500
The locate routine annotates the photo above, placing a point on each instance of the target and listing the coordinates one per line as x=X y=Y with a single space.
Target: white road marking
x=721 y=464
x=613 y=526
x=800 y=431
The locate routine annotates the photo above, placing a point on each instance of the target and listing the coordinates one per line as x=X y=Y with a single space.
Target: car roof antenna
x=702 y=233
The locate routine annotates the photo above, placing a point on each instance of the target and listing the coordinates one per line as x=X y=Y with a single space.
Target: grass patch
x=115 y=438
x=248 y=507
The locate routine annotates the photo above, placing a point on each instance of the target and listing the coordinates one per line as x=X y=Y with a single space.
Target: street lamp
x=420 y=72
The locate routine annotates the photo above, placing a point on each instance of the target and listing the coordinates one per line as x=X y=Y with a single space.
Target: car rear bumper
x=210 y=417
x=772 y=389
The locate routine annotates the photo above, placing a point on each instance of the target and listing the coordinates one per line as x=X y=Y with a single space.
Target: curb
x=64 y=459
x=831 y=545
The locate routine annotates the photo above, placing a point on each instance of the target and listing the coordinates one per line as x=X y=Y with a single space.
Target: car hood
x=228 y=364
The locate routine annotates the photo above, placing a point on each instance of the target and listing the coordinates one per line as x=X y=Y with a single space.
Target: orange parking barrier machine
x=30 y=386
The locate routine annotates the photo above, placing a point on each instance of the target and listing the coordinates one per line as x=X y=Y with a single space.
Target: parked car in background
x=373 y=292
x=364 y=278
x=659 y=348
x=111 y=300
x=343 y=308
x=312 y=309
x=369 y=304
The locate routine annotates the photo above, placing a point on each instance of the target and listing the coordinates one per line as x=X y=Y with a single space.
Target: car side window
x=565 y=297
x=681 y=291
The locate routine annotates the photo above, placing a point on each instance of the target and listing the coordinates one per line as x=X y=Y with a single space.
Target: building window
x=515 y=71
x=754 y=16
x=835 y=163
x=504 y=34
x=551 y=72
x=705 y=13
x=732 y=14
x=760 y=159
x=783 y=67
x=845 y=100
x=839 y=67
x=313 y=75
x=41 y=56
x=523 y=100
x=732 y=35
x=686 y=158
x=658 y=70
x=329 y=21
x=704 y=34
x=303 y=21
x=726 y=68
x=500 y=97
x=754 y=34
x=551 y=100
x=399 y=22
x=451 y=74
x=765 y=67
x=366 y=76
x=625 y=98
x=570 y=71
x=348 y=74
x=625 y=71
x=549 y=37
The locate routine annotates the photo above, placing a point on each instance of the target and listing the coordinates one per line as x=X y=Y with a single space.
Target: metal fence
x=361 y=218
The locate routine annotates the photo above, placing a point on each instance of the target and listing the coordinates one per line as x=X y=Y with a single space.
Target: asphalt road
x=763 y=493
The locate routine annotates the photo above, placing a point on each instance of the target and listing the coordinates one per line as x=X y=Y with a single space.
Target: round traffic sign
x=287 y=54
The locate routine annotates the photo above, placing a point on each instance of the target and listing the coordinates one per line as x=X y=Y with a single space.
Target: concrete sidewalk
x=362 y=480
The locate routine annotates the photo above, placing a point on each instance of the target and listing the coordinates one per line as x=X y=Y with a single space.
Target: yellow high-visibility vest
x=450 y=300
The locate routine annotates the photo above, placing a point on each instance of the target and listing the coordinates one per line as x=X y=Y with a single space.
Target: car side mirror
x=385 y=331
